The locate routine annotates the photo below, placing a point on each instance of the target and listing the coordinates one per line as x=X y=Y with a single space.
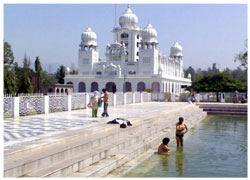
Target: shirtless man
x=164 y=148
x=181 y=129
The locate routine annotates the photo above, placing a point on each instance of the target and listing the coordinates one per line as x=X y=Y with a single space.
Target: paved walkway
x=29 y=128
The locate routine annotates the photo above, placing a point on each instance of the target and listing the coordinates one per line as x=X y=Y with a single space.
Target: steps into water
x=224 y=108
x=96 y=153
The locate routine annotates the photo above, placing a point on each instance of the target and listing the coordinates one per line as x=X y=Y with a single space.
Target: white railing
x=39 y=104
x=8 y=106
x=58 y=103
x=129 y=98
x=78 y=101
x=29 y=105
x=119 y=98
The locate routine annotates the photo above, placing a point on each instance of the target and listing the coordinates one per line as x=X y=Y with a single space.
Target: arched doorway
x=81 y=87
x=128 y=87
x=94 y=86
x=50 y=90
x=156 y=87
x=141 y=86
x=111 y=87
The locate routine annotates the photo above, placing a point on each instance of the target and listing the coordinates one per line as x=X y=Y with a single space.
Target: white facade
x=133 y=62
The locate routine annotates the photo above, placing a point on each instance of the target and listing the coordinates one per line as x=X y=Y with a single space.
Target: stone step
x=105 y=166
x=43 y=144
x=225 y=109
x=69 y=166
x=226 y=113
x=120 y=171
x=52 y=155
x=27 y=163
x=223 y=106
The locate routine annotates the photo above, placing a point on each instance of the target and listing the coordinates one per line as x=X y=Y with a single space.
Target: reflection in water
x=179 y=160
x=164 y=159
x=217 y=147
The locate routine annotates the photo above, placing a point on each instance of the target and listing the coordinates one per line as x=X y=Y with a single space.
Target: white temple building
x=133 y=61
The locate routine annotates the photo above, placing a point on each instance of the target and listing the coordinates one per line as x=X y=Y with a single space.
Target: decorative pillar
x=124 y=98
x=133 y=97
x=16 y=106
x=45 y=104
x=141 y=96
x=69 y=102
x=114 y=99
x=86 y=100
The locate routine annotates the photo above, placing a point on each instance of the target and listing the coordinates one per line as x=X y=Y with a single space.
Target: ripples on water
x=217 y=147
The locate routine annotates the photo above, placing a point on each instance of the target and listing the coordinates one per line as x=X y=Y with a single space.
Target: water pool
x=217 y=147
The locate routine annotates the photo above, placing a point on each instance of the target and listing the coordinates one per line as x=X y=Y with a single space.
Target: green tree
x=8 y=54
x=38 y=69
x=60 y=74
x=191 y=71
x=48 y=78
x=10 y=86
x=26 y=62
x=242 y=57
x=25 y=85
x=218 y=82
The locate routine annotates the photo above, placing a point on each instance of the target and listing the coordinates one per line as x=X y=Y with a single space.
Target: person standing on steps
x=181 y=129
x=105 y=103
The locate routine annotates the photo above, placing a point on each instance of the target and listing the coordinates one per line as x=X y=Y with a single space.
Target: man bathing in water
x=164 y=148
x=181 y=129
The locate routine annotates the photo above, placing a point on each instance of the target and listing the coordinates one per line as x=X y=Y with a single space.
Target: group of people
x=181 y=129
x=96 y=101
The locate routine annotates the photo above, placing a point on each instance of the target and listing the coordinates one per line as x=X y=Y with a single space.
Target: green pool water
x=217 y=147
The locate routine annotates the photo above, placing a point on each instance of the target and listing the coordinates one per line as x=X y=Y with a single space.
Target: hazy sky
x=207 y=33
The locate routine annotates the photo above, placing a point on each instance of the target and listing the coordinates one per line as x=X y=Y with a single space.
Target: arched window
x=81 y=87
x=62 y=90
x=57 y=90
x=124 y=35
x=94 y=86
x=111 y=87
x=128 y=87
x=138 y=36
x=141 y=86
x=156 y=87
x=50 y=90
x=69 y=83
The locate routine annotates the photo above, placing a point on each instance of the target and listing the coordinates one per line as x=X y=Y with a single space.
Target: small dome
x=89 y=37
x=149 y=34
x=176 y=50
x=128 y=19
x=67 y=70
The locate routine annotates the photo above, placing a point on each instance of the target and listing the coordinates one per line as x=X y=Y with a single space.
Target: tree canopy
x=242 y=57
x=60 y=74
x=9 y=70
x=218 y=82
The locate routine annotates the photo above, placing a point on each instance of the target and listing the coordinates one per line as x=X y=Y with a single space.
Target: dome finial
x=128 y=6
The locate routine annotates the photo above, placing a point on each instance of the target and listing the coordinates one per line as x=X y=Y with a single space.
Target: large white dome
x=89 y=37
x=149 y=34
x=176 y=50
x=128 y=19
